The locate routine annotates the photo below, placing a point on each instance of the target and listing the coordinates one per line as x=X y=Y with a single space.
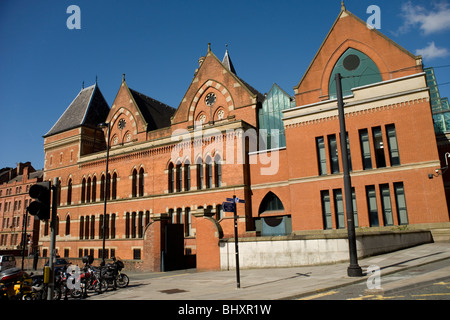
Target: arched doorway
x=272 y=219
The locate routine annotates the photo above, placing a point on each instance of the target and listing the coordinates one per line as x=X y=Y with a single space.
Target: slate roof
x=227 y=62
x=89 y=108
x=155 y=113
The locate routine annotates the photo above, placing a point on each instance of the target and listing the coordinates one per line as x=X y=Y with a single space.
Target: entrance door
x=173 y=254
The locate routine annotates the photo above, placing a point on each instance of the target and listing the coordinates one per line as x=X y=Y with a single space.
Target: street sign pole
x=236 y=246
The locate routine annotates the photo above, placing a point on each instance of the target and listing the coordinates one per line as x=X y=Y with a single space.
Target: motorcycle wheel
x=122 y=280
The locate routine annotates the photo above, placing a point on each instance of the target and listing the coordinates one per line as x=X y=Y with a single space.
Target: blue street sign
x=228 y=206
x=230 y=199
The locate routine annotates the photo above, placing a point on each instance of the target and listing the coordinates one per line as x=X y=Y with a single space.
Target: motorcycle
x=15 y=284
x=111 y=273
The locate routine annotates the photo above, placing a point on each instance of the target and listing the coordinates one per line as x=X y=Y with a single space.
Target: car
x=7 y=261
x=60 y=264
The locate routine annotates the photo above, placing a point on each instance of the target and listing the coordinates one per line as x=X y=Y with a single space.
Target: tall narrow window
x=113 y=226
x=333 y=150
x=400 y=200
x=339 y=209
x=179 y=177
x=67 y=225
x=355 y=211
x=141 y=182
x=217 y=171
x=69 y=192
x=134 y=183
x=199 y=176
x=326 y=209
x=187 y=222
x=208 y=173
x=81 y=227
x=171 y=178
x=386 y=205
x=88 y=190
x=100 y=227
x=365 y=149
x=114 y=186
x=108 y=186
x=187 y=177
x=379 y=147
x=392 y=145
x=92 y=227
x=127 y=225
x=349 y=155
x=321 y=155
x=133 y=225
x=140 y=224
x=372 y=206
x=94 y=189
x=102 y=187
x=107 y=226
x=83 y=190
x=86 y=227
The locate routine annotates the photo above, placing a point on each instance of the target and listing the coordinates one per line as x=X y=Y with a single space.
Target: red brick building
x=169 y=167
x=14 y=199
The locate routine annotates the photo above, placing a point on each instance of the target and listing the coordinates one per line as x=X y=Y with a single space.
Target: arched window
x=69 y=192
x=94 y=189
x=141 y=182
x=92 y=227
x=217 y=171
x=81 y=228
x=114 y=185
x=102 y=187
x=187 y=176
x=86 y=227
x=83 y=190
x=108 y=186
x=171 y=178
x=88 y=190
x=179 y=177
x=134 y=184
x=67 y=225
x=270 y=203
x=208 y=173
x=356 y=69
x=199 y=166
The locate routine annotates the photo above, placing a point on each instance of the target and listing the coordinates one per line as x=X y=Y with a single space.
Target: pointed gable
x=89 y=108
x=233 y=96
x=133 y=114
x=350 y=32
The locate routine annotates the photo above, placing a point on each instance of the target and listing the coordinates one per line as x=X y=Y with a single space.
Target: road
x=425 y=289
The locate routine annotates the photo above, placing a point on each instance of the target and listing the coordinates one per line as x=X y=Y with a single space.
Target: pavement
x=279 y=283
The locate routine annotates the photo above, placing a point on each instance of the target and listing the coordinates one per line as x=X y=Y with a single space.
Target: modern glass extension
x=270 y=117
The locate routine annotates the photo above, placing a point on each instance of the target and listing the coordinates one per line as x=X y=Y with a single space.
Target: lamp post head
x=103 y=125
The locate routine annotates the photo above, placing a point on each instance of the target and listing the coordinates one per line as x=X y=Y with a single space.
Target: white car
x=7 y=261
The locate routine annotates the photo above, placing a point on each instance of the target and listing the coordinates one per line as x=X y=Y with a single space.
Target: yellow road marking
x=430 y=294
x=319 y=295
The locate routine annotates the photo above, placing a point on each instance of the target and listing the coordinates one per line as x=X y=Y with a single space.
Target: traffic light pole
x=51 y=284
x=24 y=234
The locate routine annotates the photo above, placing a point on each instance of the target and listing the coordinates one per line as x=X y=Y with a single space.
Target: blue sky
x=157 y=45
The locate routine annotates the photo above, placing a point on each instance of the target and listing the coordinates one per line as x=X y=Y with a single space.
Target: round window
x=351 y=62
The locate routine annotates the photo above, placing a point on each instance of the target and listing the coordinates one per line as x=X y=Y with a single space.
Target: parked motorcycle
x=111 y=273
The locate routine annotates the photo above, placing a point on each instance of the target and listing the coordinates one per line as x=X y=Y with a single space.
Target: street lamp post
x=353 y=270
x=105 y=125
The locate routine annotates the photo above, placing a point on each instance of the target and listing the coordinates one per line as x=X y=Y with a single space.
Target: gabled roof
x=89 y=108
x=155 y=113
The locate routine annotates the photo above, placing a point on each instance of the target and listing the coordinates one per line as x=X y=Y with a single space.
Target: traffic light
x=40 y=207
